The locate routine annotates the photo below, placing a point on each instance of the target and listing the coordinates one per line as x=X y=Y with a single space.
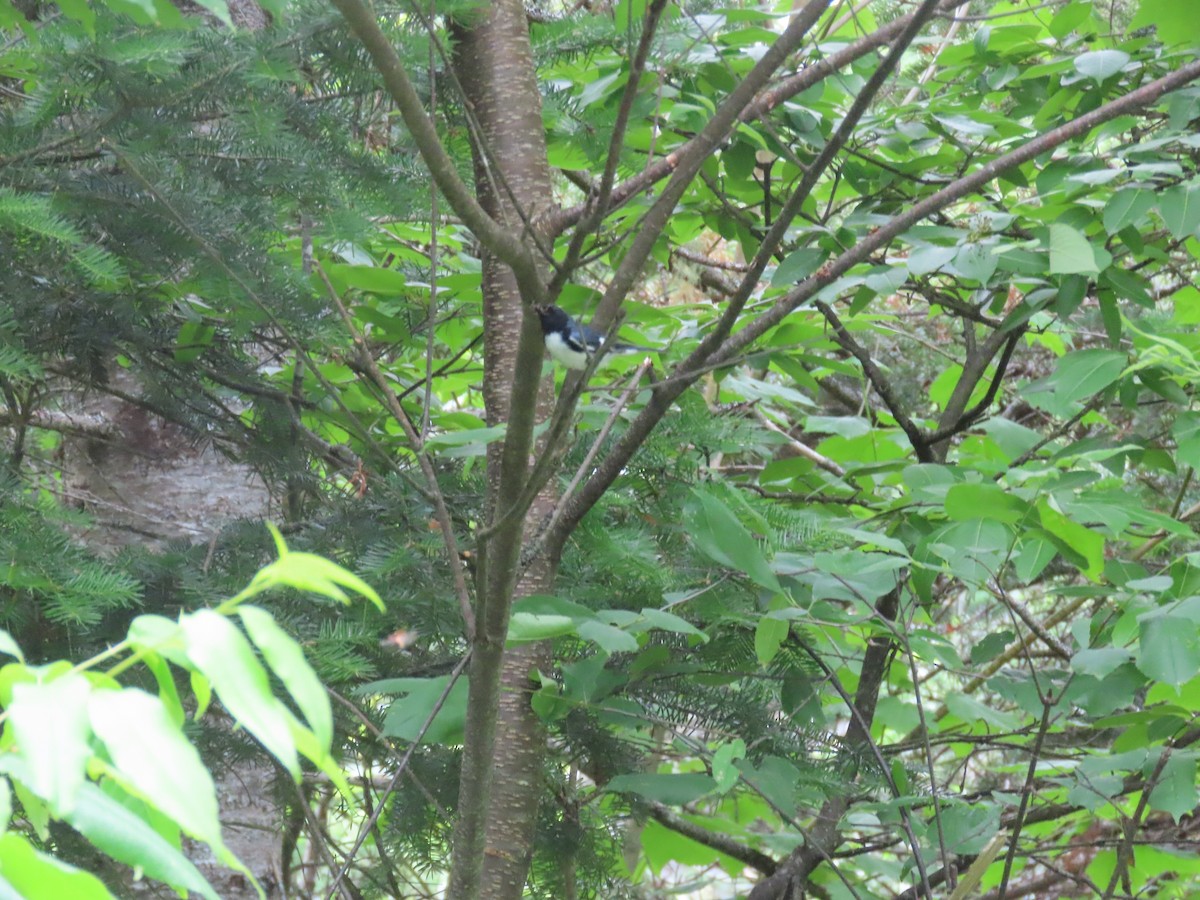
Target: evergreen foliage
x=182 y=202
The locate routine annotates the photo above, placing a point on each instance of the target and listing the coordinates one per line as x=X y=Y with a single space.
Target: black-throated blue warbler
x=571 y=343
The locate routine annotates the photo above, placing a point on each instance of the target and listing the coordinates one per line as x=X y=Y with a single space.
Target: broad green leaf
x=1175 y=792
x=719 y=534
x=168 y=693
x=151 y=754
x=1071 y=252
x=308 y=572
x=374 y=279
x=475 y=440
x=991 y=646
x=1128 y=286
x=776 y=778
x=769 y=636
x=527 y=627
x=975 y=550
x=798 y=265
x=1126 y=207
x=1186 y=432
x=1169 y=649
x=222 y=653
x=667 y=621
x=33 y=875
x=1087 y=544
x=976 y=262
x=1174 y=22
x=855 y=575
x=409 y=713
x=667 y=849
x=50 y=724
x=128 y=838
x=608 y=637
x=1083 y=373
x=930 y=482
x=972 y=710
x=1180 y=210
x=725 y=773
x=923 y=260
x=667 y=788
x=1099 y=661
x=1069 y=17
x=984 y=501
x=968 y=828
x=1101 y=64
x=1034 y=551
x=286 y=659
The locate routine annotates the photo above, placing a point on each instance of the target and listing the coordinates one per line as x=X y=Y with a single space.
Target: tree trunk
x=499 y=794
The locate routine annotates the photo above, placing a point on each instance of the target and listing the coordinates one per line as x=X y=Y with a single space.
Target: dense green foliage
x=958 y=454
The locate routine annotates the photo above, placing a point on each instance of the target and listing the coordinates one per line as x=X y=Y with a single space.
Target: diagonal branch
x=762 y=104
x=687 y=161
x=500 y=240
x=688 y=371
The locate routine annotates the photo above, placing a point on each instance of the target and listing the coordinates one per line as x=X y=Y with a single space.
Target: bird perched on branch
x=571 y=343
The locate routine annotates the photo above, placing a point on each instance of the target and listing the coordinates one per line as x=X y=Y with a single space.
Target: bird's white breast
x=563 y=353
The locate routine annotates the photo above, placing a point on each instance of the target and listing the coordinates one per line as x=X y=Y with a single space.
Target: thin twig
x=445 y=524
x=366 y=827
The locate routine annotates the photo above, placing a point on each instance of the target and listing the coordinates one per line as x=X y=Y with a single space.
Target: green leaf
x=408 y=713
x=1101 y=64
x=373 y=279
x=286 y=659
x=608 y=637
x=1083 y=541
x=527 y=627
x=984 y=501
x=50 y=724
x=151 y=754
x=1169 y=649
x=1175 y=792
x=974 y=549
x=725 y=773
x=769 y=636
x=969 y=827
x=1083 y=373
x=1180 y=210
x=976 y=262
x=1071 y=252
x=671 y=789
x=667 y=621
x=128 y=838
x=1034 y=551
x=1186 y=432
x=798 y=265
x=720 y=535
x=308 y=572
x=33 y=875
x=224 y=656
x=1126 y=207
x=1099 y=661
x=973 y=710
x=923 y=260
x=471 y=442
x=1174 y=22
